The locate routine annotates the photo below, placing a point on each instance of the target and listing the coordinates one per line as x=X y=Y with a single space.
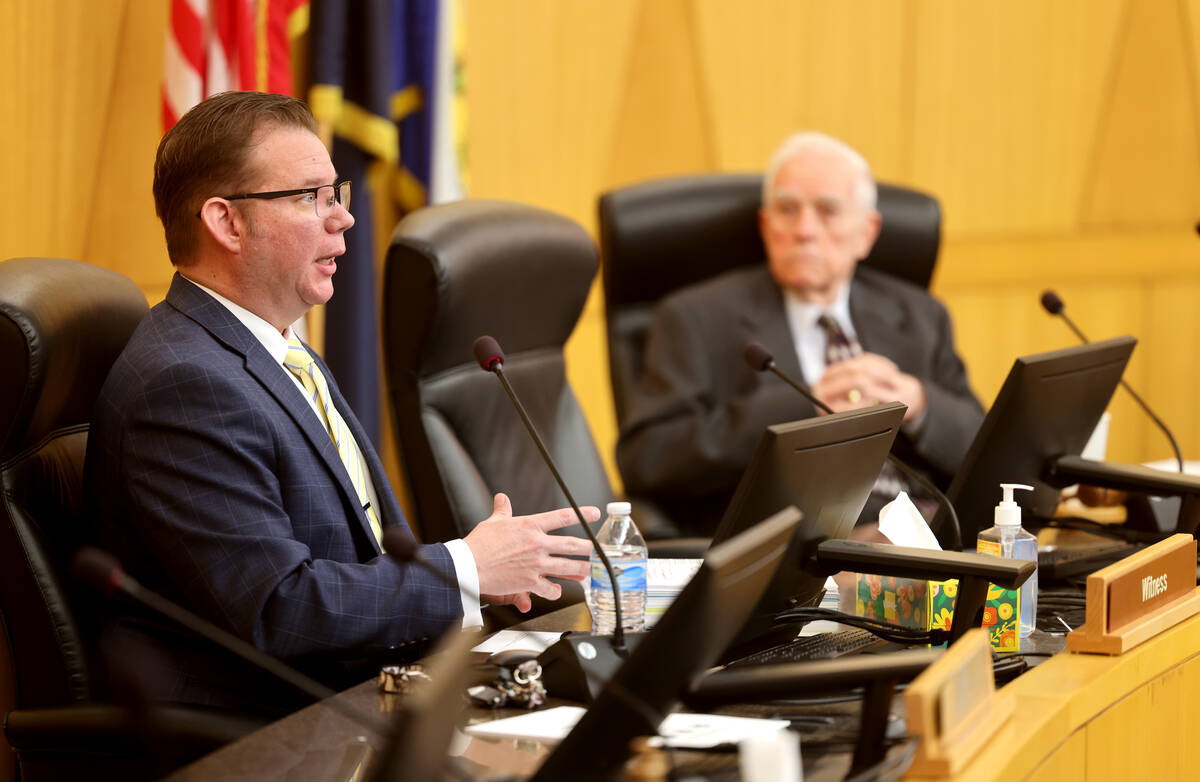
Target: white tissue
x=902 y=524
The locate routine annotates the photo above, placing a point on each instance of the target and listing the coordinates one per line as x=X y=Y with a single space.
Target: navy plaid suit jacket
x=215 y=483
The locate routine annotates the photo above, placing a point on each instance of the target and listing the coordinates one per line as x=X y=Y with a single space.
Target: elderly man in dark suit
x=225 y=467
x=857 y=336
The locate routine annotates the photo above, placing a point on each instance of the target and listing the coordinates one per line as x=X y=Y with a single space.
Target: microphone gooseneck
x=761 y=360
x=1054 y=305
x=102 y=570
x=491 y=359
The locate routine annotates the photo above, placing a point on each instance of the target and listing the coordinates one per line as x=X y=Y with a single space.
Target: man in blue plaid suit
x=229 y=481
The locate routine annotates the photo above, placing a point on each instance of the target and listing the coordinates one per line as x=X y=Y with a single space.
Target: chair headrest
x=62 y=325
x=475 y=267
x=706 y=224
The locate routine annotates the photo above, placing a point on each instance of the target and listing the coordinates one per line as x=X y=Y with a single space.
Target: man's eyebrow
x=320 y=181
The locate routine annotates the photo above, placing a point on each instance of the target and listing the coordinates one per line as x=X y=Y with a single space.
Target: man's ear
x=870 y=232
x=224 y=223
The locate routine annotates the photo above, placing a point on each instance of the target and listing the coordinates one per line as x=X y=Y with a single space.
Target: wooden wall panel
x=59 y=65
x=663 y=124
x=545 y=84
x=123 y=232
x=1062 y=139
x=1147 y=157
x=775 y=67
x=1006 y=103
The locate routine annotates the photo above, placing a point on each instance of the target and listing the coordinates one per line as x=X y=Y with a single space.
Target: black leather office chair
x=662 y=235
x=62 y=324
x=521 y=274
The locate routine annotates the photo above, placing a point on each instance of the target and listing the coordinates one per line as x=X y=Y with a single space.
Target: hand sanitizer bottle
x=1008 y=539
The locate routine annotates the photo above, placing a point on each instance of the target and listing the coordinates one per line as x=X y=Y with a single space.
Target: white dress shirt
x=807 y=334
x=811 y=341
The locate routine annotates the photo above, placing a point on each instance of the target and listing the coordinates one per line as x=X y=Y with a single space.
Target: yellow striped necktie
x=301 y=364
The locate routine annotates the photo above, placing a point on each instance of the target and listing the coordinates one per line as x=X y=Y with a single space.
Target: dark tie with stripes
x=840 y=346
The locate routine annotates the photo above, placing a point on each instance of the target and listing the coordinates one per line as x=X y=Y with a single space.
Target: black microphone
x=491 y=359
x=761 y=360
x=102 y=570
x=1054 y=305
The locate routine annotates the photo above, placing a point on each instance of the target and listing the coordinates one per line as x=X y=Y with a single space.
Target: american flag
x=218 y=45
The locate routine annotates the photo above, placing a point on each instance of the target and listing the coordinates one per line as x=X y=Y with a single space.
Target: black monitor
x=695 y=629
x=425 y=722
x=825 y=466
x=1046 y=409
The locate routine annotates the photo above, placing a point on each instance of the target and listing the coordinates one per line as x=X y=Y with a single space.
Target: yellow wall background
x=1063 y=140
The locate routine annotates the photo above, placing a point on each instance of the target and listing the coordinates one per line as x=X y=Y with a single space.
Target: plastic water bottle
x=1008 y=539
x=626 y=550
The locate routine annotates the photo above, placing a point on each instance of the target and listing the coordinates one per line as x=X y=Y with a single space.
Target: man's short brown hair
x=206 y=153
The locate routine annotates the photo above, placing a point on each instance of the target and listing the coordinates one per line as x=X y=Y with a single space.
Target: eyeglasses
x=788 y=211
x=323 y=198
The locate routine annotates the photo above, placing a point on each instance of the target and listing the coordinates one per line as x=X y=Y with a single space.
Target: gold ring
x=854 y=396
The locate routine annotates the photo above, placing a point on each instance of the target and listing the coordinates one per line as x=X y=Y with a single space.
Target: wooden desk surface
x=1078 y=717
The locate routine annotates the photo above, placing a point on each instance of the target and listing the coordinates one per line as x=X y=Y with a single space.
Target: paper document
x=685 y=731
x=665 y=579
x=532 y=640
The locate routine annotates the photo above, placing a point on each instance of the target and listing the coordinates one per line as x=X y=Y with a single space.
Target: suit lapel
x=882 y=323
x=766 y=322
x=226 y=328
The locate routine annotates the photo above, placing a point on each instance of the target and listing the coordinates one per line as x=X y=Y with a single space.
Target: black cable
x=885 y=630
x=813 y=613
x=1061 y=593
x=1008 y=667
x=1114 y=531
x=820 y=700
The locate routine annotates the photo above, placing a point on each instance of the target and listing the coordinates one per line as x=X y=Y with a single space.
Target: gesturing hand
x=515 y=556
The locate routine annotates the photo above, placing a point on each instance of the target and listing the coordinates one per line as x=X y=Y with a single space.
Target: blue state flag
x=372 y=66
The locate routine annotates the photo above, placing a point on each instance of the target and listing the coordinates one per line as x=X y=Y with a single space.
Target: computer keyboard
x=821 y=646
x=1063 y=563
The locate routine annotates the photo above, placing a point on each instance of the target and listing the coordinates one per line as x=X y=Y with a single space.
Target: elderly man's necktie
x=301 y=364
x=839 y=346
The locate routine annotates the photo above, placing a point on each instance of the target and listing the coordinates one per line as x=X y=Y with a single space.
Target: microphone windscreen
x=399 y=544
x=98 y=568
x=758 y=357
x=1052 y=303
x=487 y=352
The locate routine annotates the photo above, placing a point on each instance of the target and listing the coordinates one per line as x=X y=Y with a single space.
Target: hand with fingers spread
x=867 y=380
x=516 y=556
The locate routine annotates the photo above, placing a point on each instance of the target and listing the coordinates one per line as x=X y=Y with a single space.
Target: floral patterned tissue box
x=899 y=601
x=1001 y=613
x=930 y=604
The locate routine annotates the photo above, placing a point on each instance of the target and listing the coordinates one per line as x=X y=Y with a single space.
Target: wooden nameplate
x=1135 y=599
x=953 y=707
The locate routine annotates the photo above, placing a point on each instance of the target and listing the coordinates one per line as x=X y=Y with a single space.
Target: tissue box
x=899 y=601
x=930 y=604
x=1001 y=613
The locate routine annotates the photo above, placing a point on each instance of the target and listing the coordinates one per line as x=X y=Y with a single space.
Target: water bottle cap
x=618 y=508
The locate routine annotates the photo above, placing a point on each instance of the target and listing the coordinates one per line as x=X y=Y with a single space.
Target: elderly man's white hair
x=806 y=140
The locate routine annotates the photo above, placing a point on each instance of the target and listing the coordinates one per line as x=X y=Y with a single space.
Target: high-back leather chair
x=520 y=274
x=662 y=235
x=62 y=324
